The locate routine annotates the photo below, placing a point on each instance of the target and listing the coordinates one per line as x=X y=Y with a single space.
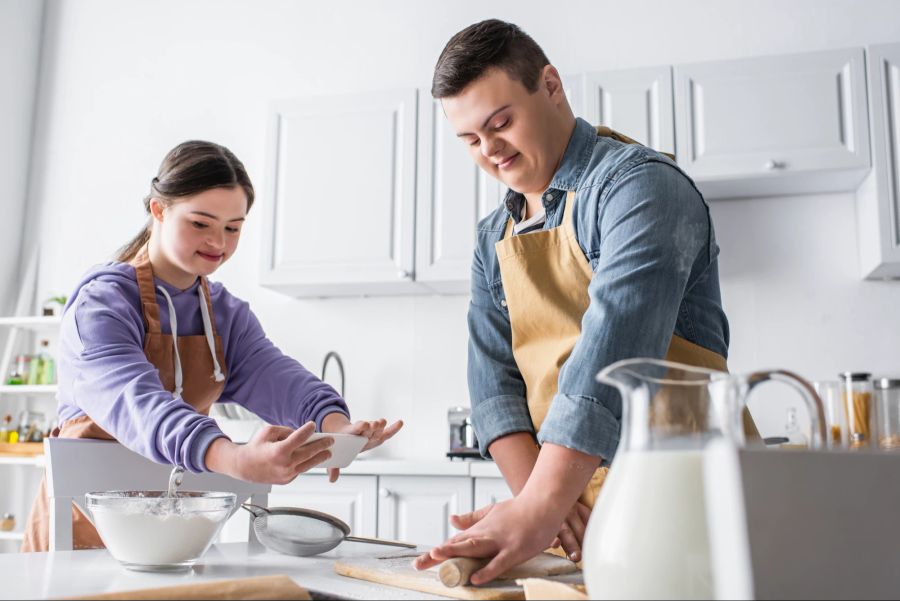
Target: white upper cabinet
x=634 y=102
x=453 y=195
x=773 y=125
x=340 y=201
x=878 y=199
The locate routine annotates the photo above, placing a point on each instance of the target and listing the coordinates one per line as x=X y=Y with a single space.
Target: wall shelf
x=21 y=389
x=32 y=322
x=12 y=535
x=36 y=461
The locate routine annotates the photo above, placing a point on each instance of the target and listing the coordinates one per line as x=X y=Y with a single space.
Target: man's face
x=511 y=134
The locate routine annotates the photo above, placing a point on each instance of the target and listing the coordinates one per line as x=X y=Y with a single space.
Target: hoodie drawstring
x=207 y=329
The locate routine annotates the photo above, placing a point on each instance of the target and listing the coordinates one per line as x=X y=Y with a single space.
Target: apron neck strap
x=144 y=275
x=568 y=212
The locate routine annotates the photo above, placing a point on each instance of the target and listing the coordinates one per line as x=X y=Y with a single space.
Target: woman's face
x=198 y=233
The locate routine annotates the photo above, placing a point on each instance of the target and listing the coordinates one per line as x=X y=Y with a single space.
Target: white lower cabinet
x=417 y=509
x=354 y=499
x=491 y=490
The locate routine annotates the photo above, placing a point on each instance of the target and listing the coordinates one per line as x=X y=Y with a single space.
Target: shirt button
x=503 y=303
x=548 y=196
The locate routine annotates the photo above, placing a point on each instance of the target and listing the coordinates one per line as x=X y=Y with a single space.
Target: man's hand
x=570 y=535
x=378 y=432
x=510 y=532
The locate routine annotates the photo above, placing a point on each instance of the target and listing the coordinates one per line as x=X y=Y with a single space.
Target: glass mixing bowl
x=148 y=531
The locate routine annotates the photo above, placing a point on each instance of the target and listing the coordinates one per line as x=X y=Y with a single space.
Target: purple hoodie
x=104 y=373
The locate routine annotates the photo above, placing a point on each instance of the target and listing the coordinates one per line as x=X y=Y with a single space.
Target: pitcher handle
x=813 y=402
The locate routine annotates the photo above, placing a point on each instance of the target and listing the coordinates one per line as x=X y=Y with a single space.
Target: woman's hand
x=376 y=431
x=275 y=455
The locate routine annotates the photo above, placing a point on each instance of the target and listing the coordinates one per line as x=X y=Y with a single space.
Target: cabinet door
x=491 y=490
x=353 y=499
x=417 y=509
x=453 y=195
x=340 y=197
x=878 y=200
x=635 y=102
x=781 y=124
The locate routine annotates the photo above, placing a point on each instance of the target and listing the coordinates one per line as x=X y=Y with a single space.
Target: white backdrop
x=125 y=81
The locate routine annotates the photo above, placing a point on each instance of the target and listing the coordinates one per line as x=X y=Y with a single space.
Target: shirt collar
x=568 y=174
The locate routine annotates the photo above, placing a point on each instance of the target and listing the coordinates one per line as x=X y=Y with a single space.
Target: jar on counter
x=7 y=522
x=835 y=416
x=887 y=401
x=856 y=390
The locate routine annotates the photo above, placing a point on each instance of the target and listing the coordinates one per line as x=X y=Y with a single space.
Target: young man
x=603 y=250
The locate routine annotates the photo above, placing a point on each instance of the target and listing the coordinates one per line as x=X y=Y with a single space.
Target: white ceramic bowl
x=145 y=530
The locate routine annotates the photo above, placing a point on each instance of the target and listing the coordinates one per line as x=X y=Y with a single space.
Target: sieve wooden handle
x=457 y=571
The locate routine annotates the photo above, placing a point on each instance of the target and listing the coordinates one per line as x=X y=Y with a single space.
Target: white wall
x=20 y=30
x=125 y=81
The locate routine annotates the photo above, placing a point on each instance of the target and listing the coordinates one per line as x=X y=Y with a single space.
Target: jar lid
x=855 y=376
x=886 y=383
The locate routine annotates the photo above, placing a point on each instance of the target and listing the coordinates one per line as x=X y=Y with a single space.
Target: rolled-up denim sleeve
x=653 y=226
x=496 y=388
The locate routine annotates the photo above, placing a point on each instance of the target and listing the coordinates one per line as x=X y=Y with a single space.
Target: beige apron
x=202 y=379
x=545 y=279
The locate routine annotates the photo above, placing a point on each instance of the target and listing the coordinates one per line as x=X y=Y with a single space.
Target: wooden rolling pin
x=458 y=570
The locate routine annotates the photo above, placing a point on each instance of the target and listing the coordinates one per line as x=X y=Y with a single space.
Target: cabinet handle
x=384 y=493
x=403 y=274
x=772 y=165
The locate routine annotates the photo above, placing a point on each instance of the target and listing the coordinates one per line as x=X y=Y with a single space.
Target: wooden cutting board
x=396 y=570
x=21 y=449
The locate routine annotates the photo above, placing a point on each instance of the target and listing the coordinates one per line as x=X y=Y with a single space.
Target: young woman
x=148 y=344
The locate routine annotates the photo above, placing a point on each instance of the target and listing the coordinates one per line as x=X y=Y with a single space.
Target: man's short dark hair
x=483 y=46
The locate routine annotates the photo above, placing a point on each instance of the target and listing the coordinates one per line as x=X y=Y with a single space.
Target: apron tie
x=173 y=323
x=207 y=328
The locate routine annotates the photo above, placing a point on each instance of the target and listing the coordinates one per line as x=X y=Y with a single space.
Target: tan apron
x=202 y=379
x=545 y=278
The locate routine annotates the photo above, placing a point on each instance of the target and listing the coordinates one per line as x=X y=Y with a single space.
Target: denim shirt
x=646 y=230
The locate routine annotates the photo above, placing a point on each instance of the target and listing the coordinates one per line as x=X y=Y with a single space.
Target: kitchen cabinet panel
x=453 y=195
x=418 y=509
x=491 y=490
x=878 y=199
x=353 y=499
x=774 y=125
x=635 y=102
x=340 y=197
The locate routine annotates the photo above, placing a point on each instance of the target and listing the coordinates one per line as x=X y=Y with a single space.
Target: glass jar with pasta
x=856 y=390
x=887 y=402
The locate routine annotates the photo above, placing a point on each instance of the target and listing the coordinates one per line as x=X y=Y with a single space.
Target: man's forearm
x=515 y=455
x=559 y=476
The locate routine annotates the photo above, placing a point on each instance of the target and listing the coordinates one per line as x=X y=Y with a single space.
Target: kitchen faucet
x=336 y=357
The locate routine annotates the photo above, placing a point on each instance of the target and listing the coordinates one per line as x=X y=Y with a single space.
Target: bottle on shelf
x=42 y=370
x=18 y=374
x=48 y=365
x=5 y=428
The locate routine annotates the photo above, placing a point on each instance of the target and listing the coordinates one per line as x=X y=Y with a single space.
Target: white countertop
x=474 y=468
x=71 y=573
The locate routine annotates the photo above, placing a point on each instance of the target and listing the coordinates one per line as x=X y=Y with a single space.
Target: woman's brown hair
x=190 y=168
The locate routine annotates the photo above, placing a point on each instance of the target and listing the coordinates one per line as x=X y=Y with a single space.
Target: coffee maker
x=463 y=442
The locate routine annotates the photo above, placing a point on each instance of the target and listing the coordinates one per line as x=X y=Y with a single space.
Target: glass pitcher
x=647 y=536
